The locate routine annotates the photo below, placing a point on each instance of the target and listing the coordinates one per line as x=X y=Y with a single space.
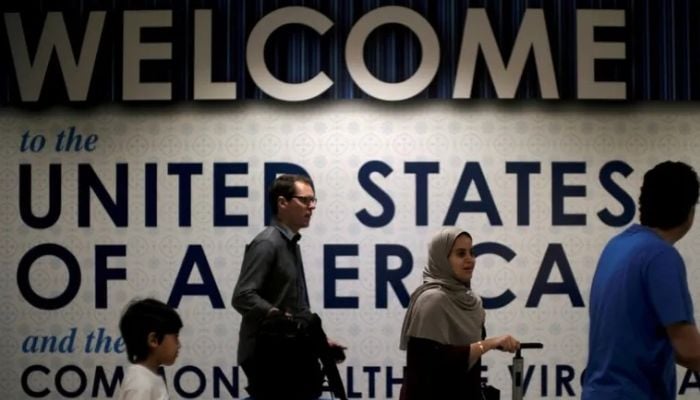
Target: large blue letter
x=25 y=197
x=561 y=191
x=422 y=169
x=185 y=172
x=523 y=170
x=332 y=274
x=507 y=254
x=25 y=286
x=472 y=173
x=25 y=380
x=628 y=206
x=101 y=380
x=103 y=274
x=554 y=256
x=150 y=195
x=223 y=192
x=687 y=384
x=118 y=210
x=394 y=277
x=195 y=256
x=375 y=191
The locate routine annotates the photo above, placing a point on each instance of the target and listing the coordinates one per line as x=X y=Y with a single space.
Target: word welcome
x=505 y=66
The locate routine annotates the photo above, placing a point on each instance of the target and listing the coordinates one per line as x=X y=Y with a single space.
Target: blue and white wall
x=541 y=190
x=137 y=140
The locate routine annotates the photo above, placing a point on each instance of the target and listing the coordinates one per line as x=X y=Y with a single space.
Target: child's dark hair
x=669 y=192
x=142 y=317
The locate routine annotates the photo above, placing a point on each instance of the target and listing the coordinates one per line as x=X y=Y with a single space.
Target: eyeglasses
x=306 y=200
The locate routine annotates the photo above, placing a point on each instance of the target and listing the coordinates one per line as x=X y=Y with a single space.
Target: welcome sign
x=101 y=51
x=118 y=180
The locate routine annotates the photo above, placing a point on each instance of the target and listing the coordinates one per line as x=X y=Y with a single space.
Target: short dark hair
x=668 y=194
x=142 y=317
x=284 y=186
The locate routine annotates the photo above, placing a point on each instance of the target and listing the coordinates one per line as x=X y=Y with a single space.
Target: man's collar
x=288 y=233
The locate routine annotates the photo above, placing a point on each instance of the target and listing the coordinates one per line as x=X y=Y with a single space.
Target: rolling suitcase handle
x=517 y=369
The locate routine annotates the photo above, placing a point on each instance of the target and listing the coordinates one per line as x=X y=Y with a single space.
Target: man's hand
x=337 y=350
x=685 y=340
x=274 y=311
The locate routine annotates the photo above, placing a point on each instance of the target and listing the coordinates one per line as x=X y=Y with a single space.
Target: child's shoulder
x=140 y=382
x=137 y=374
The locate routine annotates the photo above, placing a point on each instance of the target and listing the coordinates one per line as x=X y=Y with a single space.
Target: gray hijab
x=443 y=309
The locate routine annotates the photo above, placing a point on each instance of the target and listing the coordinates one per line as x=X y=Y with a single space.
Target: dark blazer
x=272 y=275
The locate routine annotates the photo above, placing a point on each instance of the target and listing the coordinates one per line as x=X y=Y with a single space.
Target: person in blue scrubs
x=641 y=313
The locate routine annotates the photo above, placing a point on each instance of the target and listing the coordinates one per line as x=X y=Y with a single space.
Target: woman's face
x=461 y=258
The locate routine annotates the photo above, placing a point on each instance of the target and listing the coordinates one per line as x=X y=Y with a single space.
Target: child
x=150 y=331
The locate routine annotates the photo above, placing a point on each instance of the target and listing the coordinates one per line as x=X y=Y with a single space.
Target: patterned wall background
x=332 y=142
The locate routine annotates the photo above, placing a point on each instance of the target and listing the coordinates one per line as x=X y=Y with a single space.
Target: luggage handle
x=528 y=346
x=525 y=346
x=517 y=368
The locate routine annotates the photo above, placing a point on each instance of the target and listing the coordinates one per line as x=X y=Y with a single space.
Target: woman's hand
x=504 y=343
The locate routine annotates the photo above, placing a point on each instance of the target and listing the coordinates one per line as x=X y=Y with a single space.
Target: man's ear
x=152 y=339
x=281 y=202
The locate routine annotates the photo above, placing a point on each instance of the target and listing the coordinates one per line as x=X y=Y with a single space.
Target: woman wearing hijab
x=443 y=331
